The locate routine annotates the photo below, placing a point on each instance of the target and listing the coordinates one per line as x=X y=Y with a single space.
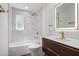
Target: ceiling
x=32 y=7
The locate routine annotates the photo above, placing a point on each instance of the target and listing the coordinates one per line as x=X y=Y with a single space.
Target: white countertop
x=67 y=41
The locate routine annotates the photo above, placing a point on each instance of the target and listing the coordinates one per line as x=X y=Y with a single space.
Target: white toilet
x=35 y=49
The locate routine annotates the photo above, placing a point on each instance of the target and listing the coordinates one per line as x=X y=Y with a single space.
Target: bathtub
x=20 y=48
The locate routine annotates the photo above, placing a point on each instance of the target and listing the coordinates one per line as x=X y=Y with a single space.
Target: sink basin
x=57 y=38
x=65 y=39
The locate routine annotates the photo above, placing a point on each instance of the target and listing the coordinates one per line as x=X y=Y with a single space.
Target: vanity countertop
x=67 y=41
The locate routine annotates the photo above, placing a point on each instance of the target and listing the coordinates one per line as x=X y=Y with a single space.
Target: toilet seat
x=34 y=46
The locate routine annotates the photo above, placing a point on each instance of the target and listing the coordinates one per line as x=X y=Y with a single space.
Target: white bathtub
x=20 y=48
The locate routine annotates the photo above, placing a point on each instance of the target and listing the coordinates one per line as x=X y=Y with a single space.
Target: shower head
x=33 y=14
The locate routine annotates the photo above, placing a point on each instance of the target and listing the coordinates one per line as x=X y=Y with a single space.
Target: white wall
x=16 y=35
x=32 y=25
x=49 y=19
x=48 y=15
x=4 y=31
x=37 y=26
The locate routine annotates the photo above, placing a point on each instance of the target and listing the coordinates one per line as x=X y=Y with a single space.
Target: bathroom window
x=19 y=22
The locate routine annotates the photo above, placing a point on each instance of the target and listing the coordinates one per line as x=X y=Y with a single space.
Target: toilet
x=34 y=48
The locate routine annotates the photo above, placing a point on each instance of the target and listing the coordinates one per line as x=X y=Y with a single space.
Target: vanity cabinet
x=52 y=48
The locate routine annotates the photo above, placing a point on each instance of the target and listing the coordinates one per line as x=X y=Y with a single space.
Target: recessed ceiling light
x=26 y=7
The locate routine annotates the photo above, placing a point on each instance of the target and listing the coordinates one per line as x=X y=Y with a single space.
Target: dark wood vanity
x=53 y=48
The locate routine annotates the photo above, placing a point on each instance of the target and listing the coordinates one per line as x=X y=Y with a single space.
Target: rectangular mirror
x=66 y=16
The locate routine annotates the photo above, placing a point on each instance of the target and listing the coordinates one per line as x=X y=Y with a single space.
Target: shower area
x=25 y=29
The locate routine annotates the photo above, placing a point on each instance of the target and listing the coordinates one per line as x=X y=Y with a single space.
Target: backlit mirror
x=66 y=16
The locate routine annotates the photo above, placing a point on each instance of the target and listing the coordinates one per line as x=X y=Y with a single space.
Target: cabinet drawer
x=49 y=52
